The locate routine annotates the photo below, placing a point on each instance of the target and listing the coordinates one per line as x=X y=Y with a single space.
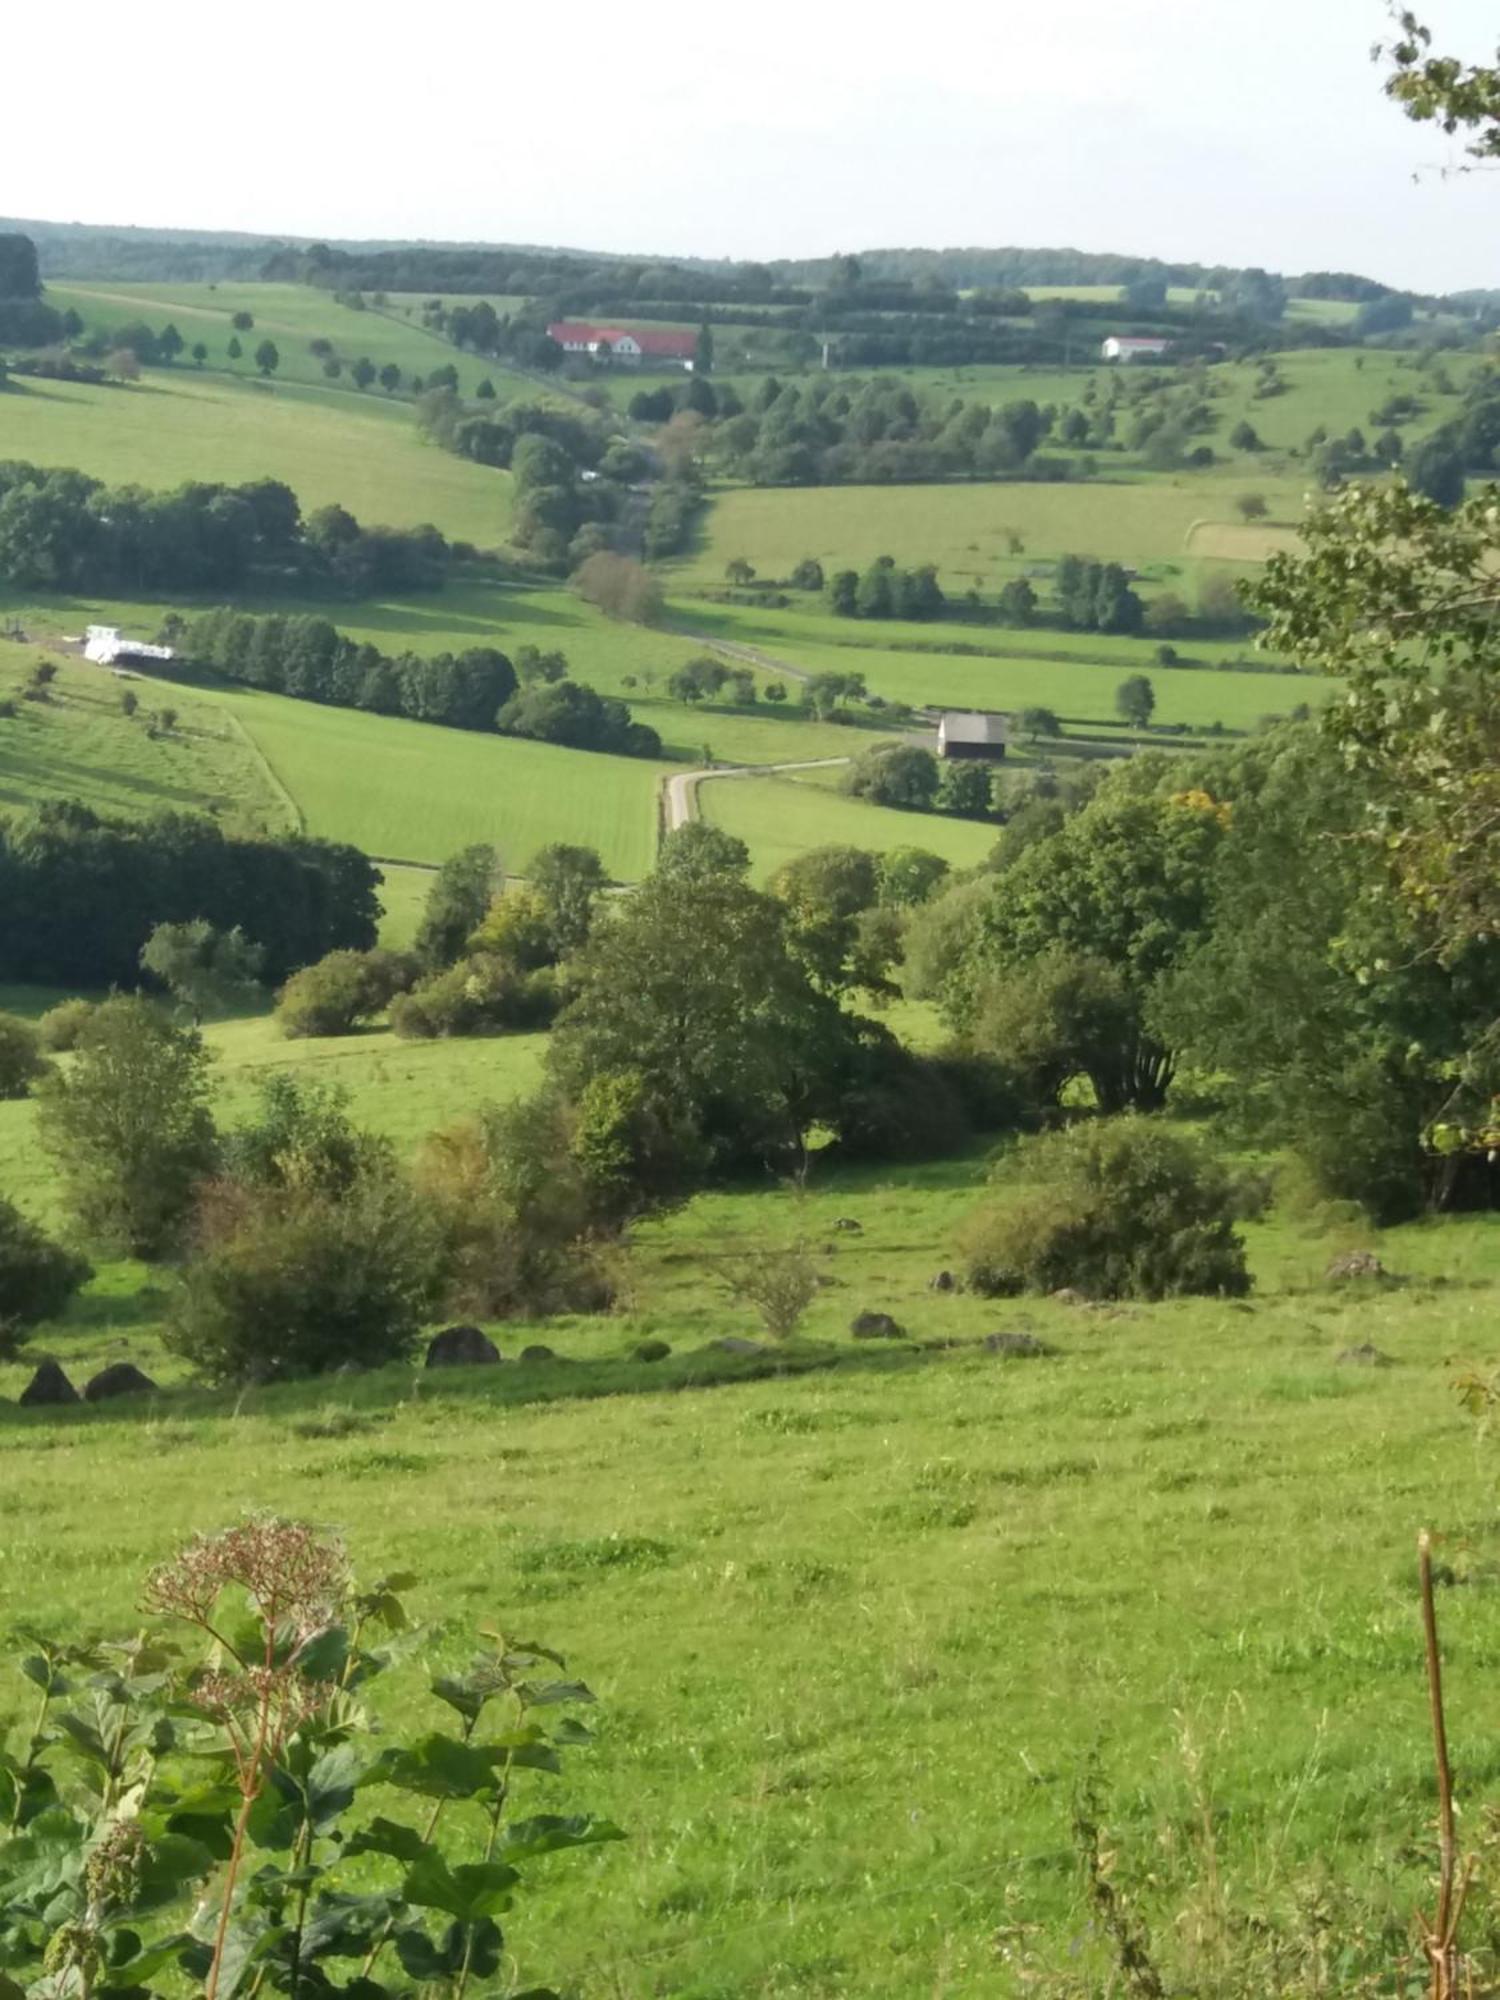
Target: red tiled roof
x=660 y=341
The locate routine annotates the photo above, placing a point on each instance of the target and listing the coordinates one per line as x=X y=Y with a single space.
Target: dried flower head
x=294 y=1576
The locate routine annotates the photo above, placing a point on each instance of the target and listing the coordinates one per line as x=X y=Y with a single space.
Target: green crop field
x=328 y=445
x=965 y=529
x=1080 y=689
x=291 y=316
x=858 y=1632
x=778 y=818
x=416 y=792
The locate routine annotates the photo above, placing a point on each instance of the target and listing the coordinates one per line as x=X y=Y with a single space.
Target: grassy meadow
x=329 y=445
x=780 y=818
x=292 y=316
x=860 y=1616
x=966 y=529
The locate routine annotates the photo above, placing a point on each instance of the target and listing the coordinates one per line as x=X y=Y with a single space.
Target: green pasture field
x=291 y=316
x=630 y=661
x=79 y=744
x=328 y=445
x=860 y=1617
x=778 y=818
x=410 y=791
x=1081 y=690
x=1336 y=387
x=964 y=529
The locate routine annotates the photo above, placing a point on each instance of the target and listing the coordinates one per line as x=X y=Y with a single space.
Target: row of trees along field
x=479 y=688
x=61 y=530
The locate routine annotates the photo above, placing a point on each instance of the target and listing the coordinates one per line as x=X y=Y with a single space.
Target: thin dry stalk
x=1440 y=1932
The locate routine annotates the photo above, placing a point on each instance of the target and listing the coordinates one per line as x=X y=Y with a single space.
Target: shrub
x=60 y=1027
x=341 y=990
x=780 y=1283
x=290 y=1283
x=519 y=1212
x=37 y=1276
x=21 y=1058
x=1123 y=1208
x=482 y=995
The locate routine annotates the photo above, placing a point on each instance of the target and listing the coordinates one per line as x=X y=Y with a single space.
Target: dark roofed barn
x=973 y=733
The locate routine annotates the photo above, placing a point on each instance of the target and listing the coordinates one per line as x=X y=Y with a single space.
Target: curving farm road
x=682 y=787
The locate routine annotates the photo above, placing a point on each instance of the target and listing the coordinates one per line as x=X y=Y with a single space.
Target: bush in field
x=780 y=1283
x=291 y=1282
x=1123 y=1208
x=483 y=994
x=21 y=1060
x=341 y=990
x=60 y=1027
x=37 y=1276
x=207 y=970
x=128 y=1127
x=521 y=1209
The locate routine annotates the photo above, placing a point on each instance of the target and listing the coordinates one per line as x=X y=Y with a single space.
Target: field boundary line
x=272 y=775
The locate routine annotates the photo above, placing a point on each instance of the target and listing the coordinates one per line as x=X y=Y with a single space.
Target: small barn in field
x=1134 y=347
x=973 y=733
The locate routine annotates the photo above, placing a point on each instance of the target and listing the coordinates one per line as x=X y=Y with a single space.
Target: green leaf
x=551 y=1692
x=388 y=1836
x=145 y=1963
x=345 y=1926
x=172 y=1862
x=38 y=1863
x=549 y=1833
x=322 y=1657
x=461 y=1693
x=438 y=1767
x=45 y=1674
x=476 y=1889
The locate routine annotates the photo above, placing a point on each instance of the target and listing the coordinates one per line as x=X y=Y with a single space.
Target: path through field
x=682 y=787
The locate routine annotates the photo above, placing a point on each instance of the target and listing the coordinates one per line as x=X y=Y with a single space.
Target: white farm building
x=1134 y=347
x=107 y=647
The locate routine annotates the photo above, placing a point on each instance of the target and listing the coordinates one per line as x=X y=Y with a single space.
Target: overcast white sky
x=1194 y=129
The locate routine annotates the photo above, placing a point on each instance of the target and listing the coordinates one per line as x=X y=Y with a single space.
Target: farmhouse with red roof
x=633 y=344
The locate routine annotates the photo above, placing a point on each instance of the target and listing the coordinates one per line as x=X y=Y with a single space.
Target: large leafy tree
x=1398 y=595
x=128 y=1127
x=694 y=991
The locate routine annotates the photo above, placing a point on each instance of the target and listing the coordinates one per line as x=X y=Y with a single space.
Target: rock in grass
x=650 y=1350
x=875 y=1326
x=121 y=1378
x=1366 y=1355
x=49 y=1385
x=1355 y=1264
x=461 y=1347
x=733 y=1343
x=1069 y=1295
x=1022 y=1344
x=540 y=1353
x=942 y=1281
x=848 y=1225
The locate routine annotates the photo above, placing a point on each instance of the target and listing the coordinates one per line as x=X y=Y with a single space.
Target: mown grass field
x=858 y=1632
x=292 y=316
x=965 y=529
x=79 y=743
x=778 y=818
x=328 y=445
x=1081 y=691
